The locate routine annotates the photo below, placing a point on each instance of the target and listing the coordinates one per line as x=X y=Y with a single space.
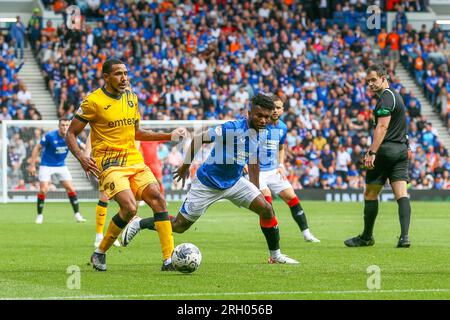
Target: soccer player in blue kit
x=54 y=152
x=272 y=176
x=221 y=177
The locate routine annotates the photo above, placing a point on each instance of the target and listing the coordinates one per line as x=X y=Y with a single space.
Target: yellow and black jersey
x=112 y=120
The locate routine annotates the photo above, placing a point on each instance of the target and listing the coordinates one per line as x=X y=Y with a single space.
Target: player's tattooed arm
x=182 y=172
x=88 y=164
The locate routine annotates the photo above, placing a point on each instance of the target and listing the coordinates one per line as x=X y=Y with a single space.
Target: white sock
x=306 y=233
x=275 y=253
x=99 y=251
x=99 y=235
x=167 y=261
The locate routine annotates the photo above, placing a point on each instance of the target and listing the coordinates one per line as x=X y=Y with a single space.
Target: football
x=186 y=257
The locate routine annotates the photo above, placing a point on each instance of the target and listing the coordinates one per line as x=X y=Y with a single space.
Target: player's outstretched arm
x=148 y=135
x=88 y=164
x=183 y=171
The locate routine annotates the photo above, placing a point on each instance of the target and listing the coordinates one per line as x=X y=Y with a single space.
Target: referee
x=387 y=158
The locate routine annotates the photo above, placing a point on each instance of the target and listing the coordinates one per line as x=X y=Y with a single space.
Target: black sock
x=119 y=222
x=40 y=203
x=272 y=237
x=147 y=223
x=404 y=213
x=299 y=216
x=370 y=214
x=74 y=201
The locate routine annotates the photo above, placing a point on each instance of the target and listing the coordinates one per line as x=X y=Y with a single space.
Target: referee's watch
x=371 y=153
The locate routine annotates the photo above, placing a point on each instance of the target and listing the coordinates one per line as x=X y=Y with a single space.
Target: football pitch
x=50 y=261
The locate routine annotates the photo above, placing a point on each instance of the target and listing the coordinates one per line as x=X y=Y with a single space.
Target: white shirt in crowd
x=314 y=172
x=199 y=64
x=288 y=90
x=264 y=12
x=342 y=160
x=24 y=96
x=242 y=97
x=298 y=46
x=251 y=53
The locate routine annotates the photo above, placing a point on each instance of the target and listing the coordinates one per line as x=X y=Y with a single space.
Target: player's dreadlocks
x=263 y=100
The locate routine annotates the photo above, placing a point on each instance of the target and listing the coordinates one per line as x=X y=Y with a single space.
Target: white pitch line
x=268 y=293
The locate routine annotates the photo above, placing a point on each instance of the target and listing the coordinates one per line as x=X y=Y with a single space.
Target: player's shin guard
x=271 y=232
x=40 y=202
x=404 y=213
x=298 y=214
x=370 y=214
x=74 y=201
x=100 y=216
x=114 y=229
x=164 y=228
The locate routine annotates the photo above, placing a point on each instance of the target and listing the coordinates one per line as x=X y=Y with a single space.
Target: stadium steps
x=32 y=77
x=407 y=80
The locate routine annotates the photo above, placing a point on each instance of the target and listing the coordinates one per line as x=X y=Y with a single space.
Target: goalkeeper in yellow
x=112 y=112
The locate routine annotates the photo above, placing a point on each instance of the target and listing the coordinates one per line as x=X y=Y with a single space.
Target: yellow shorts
x=135 y=177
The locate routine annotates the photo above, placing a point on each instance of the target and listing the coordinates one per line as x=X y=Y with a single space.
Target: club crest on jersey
x=130 y=104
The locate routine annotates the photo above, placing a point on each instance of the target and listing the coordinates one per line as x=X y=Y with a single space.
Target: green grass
x=35 y=258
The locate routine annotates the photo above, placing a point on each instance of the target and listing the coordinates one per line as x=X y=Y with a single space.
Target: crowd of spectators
x=426 y=54
x=15 y=99
x=204 y=60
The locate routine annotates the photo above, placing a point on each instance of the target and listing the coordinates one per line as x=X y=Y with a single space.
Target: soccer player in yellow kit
x=112 y=112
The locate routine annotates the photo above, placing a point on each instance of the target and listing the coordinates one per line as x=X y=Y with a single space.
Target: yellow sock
x=164 y=229
x=100 y=216
x=114 y=229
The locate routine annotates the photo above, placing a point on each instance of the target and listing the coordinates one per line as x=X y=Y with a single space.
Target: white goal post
x=17 y=139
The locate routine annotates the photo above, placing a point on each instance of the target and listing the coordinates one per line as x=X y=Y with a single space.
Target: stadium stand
x=204 y=60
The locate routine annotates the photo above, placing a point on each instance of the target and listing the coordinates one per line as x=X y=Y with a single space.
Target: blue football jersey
x=235 y=145
x=54 y=149
x=270 y=142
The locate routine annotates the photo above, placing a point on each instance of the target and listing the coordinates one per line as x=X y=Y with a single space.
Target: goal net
x=18 y=138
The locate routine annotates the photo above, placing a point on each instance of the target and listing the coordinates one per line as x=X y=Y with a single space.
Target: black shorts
x=391 y=163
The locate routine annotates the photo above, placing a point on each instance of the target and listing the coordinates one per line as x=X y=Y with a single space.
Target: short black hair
x=263 y=100
x=378 y=68
x=107 y=66
x=63 y=119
